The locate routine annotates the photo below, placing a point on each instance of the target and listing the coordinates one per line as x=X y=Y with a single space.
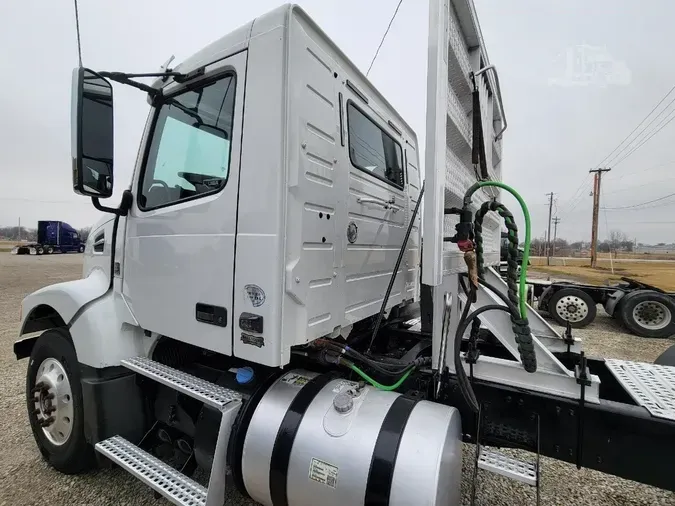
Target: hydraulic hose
x=370 y=380
x=516 y=294
x=381 y=367
x=528 y=238
x=462 y=378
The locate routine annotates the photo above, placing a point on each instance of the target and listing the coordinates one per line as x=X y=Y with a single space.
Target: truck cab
x=249 y=306
x=273 y=187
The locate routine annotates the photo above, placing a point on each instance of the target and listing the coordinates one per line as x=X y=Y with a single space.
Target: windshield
x=189 y=156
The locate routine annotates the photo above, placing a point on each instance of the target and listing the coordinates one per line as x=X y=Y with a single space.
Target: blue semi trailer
x=52 y=237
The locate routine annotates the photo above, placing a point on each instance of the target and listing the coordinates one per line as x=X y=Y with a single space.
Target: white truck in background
x=250 y=307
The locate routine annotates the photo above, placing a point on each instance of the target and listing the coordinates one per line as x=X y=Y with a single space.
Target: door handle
x=213 y=315
x=385 y=204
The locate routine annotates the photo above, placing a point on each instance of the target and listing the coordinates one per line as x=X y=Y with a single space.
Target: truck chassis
x=642 y=309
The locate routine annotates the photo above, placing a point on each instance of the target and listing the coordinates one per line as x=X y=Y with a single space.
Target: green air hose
x=375 y=383
x=522 y=288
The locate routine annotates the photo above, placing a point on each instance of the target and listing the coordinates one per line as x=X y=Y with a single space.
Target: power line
x=629 y=145
x=652 y=206
x=384 y=37
x=643 y=170
x=638 y=126
x=659 y=127
x=628 y=188
x=640 y=204
x=575 y=198
x=77 y=28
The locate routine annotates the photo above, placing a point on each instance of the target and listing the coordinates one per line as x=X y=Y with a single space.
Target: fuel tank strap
x=283 y=444
x=378 y=487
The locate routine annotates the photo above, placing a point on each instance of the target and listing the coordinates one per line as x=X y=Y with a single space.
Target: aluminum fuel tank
x=319 y=440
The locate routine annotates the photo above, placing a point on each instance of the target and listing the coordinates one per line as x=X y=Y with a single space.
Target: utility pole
x=548 y=240
x=556 y=220
x=596 y=209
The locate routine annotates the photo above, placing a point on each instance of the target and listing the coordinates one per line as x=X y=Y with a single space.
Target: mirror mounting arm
x=123 y=78
x=122 y=210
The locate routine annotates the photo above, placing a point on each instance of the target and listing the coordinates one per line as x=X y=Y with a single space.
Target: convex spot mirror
x=92 y=134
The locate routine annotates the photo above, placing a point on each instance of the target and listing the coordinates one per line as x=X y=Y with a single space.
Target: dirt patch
x=27 y=480
x=660 y=274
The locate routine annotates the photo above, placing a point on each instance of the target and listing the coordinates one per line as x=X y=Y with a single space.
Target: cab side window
x=189 y=156
x=373 y=150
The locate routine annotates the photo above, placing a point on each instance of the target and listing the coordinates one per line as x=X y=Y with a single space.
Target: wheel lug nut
x=47 y=421
x=39 y=387
x=49 y=396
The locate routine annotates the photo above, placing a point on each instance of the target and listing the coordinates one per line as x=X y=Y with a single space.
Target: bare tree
x=84 y=233
x=616 y=239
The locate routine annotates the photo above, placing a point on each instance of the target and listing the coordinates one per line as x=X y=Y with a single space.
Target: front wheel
x=574 y=306
x=647 y=313
x=54 y=400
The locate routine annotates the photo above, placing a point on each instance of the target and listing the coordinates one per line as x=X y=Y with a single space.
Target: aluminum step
x=176 y=487
x=498 y=463
x=651 y=386
x=197 y=388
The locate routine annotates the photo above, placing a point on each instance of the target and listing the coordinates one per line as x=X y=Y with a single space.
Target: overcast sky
x=563 y=119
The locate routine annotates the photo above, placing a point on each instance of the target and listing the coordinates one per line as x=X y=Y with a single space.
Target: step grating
x=651 y=386
x=197 y=388
x=498 y=463
x=176 y=487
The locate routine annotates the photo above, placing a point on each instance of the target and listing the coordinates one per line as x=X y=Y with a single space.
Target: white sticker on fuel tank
x=296 y=379
x=323 y=472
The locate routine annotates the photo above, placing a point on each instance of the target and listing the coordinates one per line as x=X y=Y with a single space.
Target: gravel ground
x=26 y=480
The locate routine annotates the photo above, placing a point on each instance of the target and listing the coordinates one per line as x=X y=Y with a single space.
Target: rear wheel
x=49 y=250
x=647 y=313
x=54 y=401
x=572 y=305
x=39 y=250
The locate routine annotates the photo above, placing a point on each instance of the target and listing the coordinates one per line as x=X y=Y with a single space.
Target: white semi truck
x=259 y=305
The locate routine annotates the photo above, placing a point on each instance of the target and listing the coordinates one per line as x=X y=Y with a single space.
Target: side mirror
x=92 y=134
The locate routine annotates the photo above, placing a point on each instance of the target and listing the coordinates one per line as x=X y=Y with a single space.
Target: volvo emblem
x=352 y=232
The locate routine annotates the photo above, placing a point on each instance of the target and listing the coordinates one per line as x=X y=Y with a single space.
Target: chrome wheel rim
x=53 y=401
x=572 y=308
x=652 y=315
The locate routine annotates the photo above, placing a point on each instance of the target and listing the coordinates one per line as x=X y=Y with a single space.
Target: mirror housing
x=92 y=134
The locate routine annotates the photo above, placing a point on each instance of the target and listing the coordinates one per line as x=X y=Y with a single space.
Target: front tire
x=54 y=401
x=81 y=248
x=573 y=305
x=647 y=313
x=49 y=250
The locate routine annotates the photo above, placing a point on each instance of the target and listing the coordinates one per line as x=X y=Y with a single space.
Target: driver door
x=179 y=253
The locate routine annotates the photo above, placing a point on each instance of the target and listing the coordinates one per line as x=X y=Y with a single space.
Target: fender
x=66 y=299
x=57 y=306
x=612 y=301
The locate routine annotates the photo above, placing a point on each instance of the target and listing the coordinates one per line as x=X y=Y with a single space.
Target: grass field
x=6 y=245
x=659 y=273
